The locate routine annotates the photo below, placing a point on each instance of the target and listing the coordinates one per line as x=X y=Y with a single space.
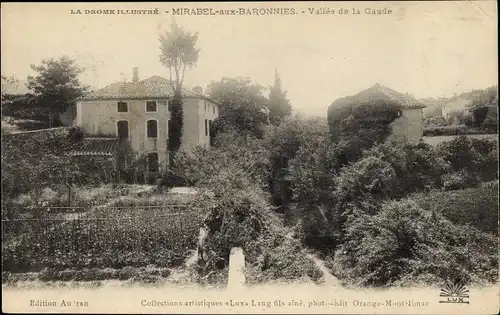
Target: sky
x=427 y=49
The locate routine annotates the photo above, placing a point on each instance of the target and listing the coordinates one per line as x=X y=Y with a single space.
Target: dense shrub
x=435 y=121
x=316 y=165
x=281 y=260
x=234 y=157
x=417 y=167
x=460 y=180
x=33 y=159
x=244 y=218
x=477 y=157
x=477 y=207
x=490 y=123
x=287 y=142
x=454 y=131
x=388 y=170
x=364 y=183
x=404 y=243
x=23 y=106
x=237 y=172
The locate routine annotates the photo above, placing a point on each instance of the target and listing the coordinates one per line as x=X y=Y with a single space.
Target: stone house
x=455 y=108
x=408 y=126
x=138 y=113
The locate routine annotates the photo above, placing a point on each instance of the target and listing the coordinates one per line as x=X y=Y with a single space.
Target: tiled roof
x=151 y=88
x=380 y=92
x=54 y=132
x=97 y=147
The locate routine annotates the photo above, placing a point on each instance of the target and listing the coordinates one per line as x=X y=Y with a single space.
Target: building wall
x=459 y=105
x=195 y=112
x=409 y=126
x=99 y=118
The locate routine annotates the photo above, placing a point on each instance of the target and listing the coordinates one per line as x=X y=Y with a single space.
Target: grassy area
x=477 y=207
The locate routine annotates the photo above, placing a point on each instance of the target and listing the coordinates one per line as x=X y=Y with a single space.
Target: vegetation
x=276 y=185
x=41 y=157
x=477 y=207
x=178 y=52
x=116 y=236
x=242 y=105
x=56 y=86
x=279 y=105
x=470 y=159
x=404 y=244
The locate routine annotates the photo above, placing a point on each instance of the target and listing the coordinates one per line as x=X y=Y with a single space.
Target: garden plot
x=138 y=233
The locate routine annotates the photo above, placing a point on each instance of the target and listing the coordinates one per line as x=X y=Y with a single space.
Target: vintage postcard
x=250 y=157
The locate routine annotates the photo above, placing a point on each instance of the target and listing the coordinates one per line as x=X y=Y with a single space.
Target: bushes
x=484 y=120
x=287 y=144
x=478 y=157
x=245 y=219
x=217 y=169
x=477 y=207
x=31 y=160
x=435 y=121
x=417 y=167
x=454 y=131
x=237 y=172
x=459 y=180
x=404 y=243
x=282 y=260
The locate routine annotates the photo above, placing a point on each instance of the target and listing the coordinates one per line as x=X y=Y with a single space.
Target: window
x=205 y=105
x=214 y=109
x=122 y=107
x=153 y=166
x=152 y=128
x=206 y=127
x=150 y=106
x=210 y=124
x=122 y=127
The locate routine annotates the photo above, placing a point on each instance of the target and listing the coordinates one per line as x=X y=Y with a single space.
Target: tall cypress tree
x=279 y=105
x=178 y=51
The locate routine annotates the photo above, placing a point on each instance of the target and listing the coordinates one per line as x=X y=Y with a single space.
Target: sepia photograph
x=250 y=157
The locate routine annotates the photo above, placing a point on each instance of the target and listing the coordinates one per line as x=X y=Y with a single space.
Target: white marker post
x=236 y=277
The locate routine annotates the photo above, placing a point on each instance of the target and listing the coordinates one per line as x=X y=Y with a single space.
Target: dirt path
x=329 y=279
x=181 y=275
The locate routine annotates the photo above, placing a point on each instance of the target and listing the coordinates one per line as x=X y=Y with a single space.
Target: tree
x=8 y=83
x=56 y=85
x=31 y=161
x=279 y=105
x=242 y=106
x=178 y=51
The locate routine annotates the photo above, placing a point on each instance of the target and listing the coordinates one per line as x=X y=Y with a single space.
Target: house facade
x=409 y=126
x=138 y=112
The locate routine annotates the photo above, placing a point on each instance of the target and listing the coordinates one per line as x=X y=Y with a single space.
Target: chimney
x=198 y=90
x=135 y=74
